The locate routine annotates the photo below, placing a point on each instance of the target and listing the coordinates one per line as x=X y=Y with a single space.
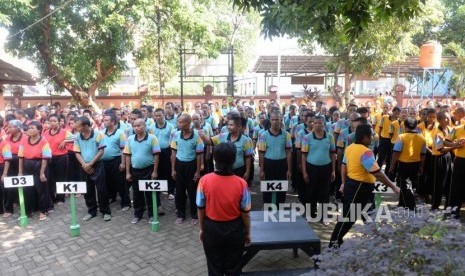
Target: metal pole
x=160 y=81
x=181 y=74
x=232 y=70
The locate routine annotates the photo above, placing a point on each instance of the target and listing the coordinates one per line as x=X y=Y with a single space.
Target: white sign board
x=19 y=181
x=380 y=188
x=153 y=185
x=274 y=185
x=71 y=187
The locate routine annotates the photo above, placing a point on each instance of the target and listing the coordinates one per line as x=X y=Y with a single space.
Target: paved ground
x=118 y=247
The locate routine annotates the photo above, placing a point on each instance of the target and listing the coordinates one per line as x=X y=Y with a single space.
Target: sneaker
x=170 y=197
x=42 y=216
x=179 y=220
x=78 y=195
x=135 y=220
x=151 y=220
x=107 y=217
x=51 y=211
x=161 y=211
x=88 y=217
x=125 y=208
x=7 y=215
x=194 y=221
x=59 y=203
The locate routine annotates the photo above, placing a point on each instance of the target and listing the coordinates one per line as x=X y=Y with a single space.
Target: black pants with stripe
x=355 y=192
x=223 y=243
x=440 y=173
x=457 y=191
x=185 y=172
x=407 y=171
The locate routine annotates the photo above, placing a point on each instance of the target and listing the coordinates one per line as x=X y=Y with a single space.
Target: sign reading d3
x=19 y=181
x=71 y=187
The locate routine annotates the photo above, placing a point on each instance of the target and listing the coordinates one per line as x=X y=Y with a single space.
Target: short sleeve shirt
x=274 y=146
x=163 y=134
x=223 y=197
x=142 y=151
x=361 y=163
x=38 y=150
x=410 y=146
x=6 y=152
x=114 y=144
x=318 y=150
x=88 y=148
x=455 y=134
x=244 y=147
x=187 y=148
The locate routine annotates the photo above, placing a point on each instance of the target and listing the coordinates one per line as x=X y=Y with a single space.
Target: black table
x=280 y=235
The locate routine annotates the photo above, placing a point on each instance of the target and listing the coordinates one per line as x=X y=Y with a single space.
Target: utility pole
x=181 y=74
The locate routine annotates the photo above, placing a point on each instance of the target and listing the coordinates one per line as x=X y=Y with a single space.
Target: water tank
x=430 y=55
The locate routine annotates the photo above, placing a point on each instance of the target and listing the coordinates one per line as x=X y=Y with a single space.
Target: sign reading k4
x=153 y=185
x=71 y=187
x=274 y=185
x=382 y=189
x=19 y=181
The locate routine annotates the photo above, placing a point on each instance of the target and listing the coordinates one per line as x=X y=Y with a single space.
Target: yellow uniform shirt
x=411 y=146
x=428 y=132
x=385 y=126
x=361 y=164
x=438 y=140
x=456 y=134
x=396 y=128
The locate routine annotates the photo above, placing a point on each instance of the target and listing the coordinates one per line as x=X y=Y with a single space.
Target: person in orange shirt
x=34 y=154
x=409 y=152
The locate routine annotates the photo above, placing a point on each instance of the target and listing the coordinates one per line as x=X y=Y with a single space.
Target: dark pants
x=424 y=185
x=440 y=173
x=385 y=153
x=354 y=192
x=240 y=171
x=57 y=173
x=2 y=192
x=142 y=199
x=223 y=243
x=11 y=195
x=185 y=172
x=74 y=173
x=457 y=191
x=407 y=171
x=37 y=197
x=318 y=188
x=164 y=168
x=275 y=170
x=115 y=181
x=295 y=170
x=96 y=183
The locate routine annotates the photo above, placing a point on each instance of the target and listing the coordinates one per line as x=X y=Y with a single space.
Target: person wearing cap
x=223 y=205
x=409 y=152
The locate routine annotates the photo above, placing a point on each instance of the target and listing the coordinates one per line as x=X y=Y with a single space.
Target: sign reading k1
x=153 y=185
x=71 y=187
x=19 y=181
x=274 y=185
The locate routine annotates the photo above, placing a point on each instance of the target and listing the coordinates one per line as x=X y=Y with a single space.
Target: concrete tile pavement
x=119 y=247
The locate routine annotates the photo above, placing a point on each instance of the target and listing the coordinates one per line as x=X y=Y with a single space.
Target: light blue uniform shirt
x=274 y=146
x=187 y=149
x=318 y=150
x=163 y=134
x=114 y=142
